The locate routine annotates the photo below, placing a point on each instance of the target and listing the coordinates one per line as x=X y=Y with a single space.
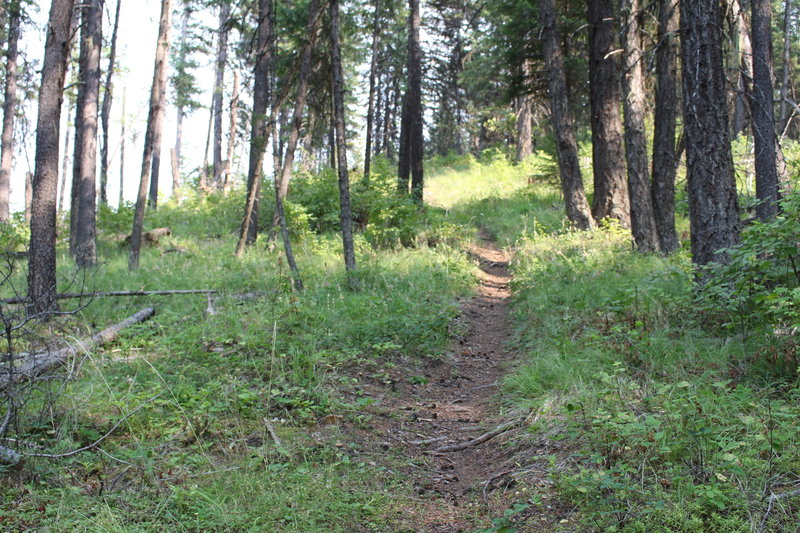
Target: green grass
x=670 y=422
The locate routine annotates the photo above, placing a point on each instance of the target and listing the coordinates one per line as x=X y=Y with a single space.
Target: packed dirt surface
x=464 y=460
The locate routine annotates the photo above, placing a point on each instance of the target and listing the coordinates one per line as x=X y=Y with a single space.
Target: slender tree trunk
x=122 y=141
x=282 y=184
x=664 y=156
x=713 y=205
x=9 y=107
x=65 y=163
x=762 y=109
x=155 y=171
x=219 y=89
x=181 y=112
x=787 y=59
x=643 y=223
x=234 y=113
x=743 y=54
x=28 y=196
x=154 y=118
x=260 y=125
x=376 y=26
x=176 y=166
x=285 y=173
x=42 y=255
x=85 y=166
x=608 y=153
x=204 y=171
x=108 y=95
x=345 y=213
x=377 y=128
x=563 y=125
x=415 y=141
x=403 y=149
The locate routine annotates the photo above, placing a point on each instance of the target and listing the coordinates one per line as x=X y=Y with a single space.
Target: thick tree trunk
x=762 y=110
x=85 y=166
x=9 y=107
x=713 y=205
x=108 y=95
x=260 y=126
x=345 y=213
x=566 y=147
x=643 y=223
x=42 y=255
x=376 y=26
x=219 y=89
x=154 y=119
x=664 y=156
x=608 y=153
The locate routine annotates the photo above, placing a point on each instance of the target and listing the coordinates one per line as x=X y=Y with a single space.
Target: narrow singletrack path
x=434 y=422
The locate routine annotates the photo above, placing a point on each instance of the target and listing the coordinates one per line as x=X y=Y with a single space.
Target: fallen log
x=114 y=294
x=35 y=364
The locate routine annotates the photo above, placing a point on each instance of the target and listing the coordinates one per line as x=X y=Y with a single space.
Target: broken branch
x=502 y=428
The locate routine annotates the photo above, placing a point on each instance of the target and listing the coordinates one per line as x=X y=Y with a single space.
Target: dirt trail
x=454 y=406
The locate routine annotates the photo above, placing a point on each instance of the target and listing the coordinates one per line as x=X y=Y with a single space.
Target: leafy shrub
x=759 y=289
x=14 y=234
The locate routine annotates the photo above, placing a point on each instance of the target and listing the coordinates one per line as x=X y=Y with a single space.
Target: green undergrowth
x=669 y=420
x=203 y=379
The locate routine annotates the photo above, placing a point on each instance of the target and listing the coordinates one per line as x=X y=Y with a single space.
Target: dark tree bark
x=762 y=110
x=155 y=118
x=411 y=140
x=42 y=251
x=9 y=107
x=742 y=51
x=155 y=171
x=608 y=153
x=376 y=27
x=260 y=127
x=713 y=205
x=84 y=169
x=563 y=125
x=337 y=79
x=219 y=89
x=643 y=223
x=108 y=94
x=664 y=156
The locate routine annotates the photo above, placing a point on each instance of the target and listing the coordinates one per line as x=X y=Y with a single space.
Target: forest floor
x=464 y=458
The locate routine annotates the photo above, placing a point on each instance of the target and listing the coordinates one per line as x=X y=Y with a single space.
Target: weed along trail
x=444 y=421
